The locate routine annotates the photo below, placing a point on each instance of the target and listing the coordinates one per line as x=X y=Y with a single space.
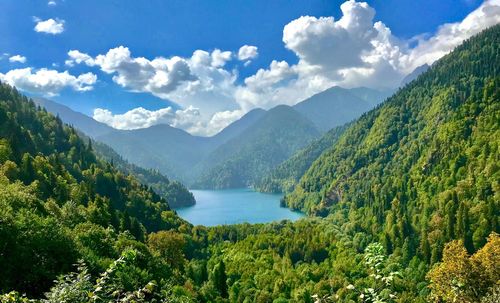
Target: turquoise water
x=215 y=207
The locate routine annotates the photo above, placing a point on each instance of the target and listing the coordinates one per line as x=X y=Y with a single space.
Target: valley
x=384 y=193
x=240 y=154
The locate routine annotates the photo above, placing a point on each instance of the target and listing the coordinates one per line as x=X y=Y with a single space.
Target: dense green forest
x=261 y=147
x=409 y=193
x=57 y=198
x=421 y=169
x=174 y=192
x=286 y=175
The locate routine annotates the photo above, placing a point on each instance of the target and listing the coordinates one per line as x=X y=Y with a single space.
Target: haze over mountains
x=336 y=106
x=260 y=139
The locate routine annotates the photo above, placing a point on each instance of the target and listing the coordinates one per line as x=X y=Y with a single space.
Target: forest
x=403 y=206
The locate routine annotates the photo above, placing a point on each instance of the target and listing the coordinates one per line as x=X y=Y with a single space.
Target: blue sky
x=155 y=28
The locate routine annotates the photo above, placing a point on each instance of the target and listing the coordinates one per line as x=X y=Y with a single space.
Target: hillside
x=174 y=152
x=80 y=121
x=161 y=147
x=169 y=150
x=261 y=147
x=55 y=196
x=237 y=127
x=173 y=191
x=414 y=74
x=337 y=106
x=284 y=177
x=410 y=190
x=421 y=169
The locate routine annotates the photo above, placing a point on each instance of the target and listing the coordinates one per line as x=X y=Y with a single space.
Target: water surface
x=215 y=207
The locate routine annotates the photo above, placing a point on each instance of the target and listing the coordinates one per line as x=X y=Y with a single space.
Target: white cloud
x=52 y=3
x=451 y=35
x=220 y=120
x=247 y=52
x=137 y=117
x=47 y=82
x=17 y=58
x=49 y=26
x=159 y=76
x=354 y=50
x=199 y=81
x=219 y=58
x=188 y=119
x=333 y=44
x=77 y=57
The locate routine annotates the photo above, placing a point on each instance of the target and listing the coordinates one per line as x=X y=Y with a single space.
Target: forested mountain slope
x=169 y=150
x=80 y=121
x=234 y=129
x=59 y=204
x=422 y=168
x=174 y=192
x=265 y=144
x=337 y=106
x=55 y=195
x=284 y=177
x=174 y=152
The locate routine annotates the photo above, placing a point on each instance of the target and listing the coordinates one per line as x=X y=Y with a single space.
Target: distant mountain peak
x=336 y=105
x=414 y=74
x=81 y=121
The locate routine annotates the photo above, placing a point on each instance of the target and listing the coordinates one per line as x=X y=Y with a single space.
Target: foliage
x=175 y=193
x=380 y=290
x=422 y=168
x=258 y=149
x=418 y=172
x=284 y=177
x=463 y=278
x=51 y=182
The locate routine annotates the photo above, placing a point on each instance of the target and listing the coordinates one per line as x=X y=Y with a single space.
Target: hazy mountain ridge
x=414 y=74
x=285 y=176
x=191 y=159
x=81 y=121
x=337 y=106
x=262 y=146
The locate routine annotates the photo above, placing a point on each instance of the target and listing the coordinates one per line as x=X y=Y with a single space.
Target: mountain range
x=194 y=160
x=403 y=204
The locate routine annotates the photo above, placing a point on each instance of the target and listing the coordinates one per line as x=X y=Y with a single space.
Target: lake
x=231 y=206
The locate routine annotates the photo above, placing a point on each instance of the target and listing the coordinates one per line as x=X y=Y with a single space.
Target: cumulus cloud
x=187 y=119
x=47 y=82
x=17 y=58
x=353 y=50
x=219 y=58
x=356 y=50
x=247 y=52
x=52 y=3
x=450 y=35
x=77 y=57
x=49 y=26
x=159 y=76
x=200 y=81
x=333 y=44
